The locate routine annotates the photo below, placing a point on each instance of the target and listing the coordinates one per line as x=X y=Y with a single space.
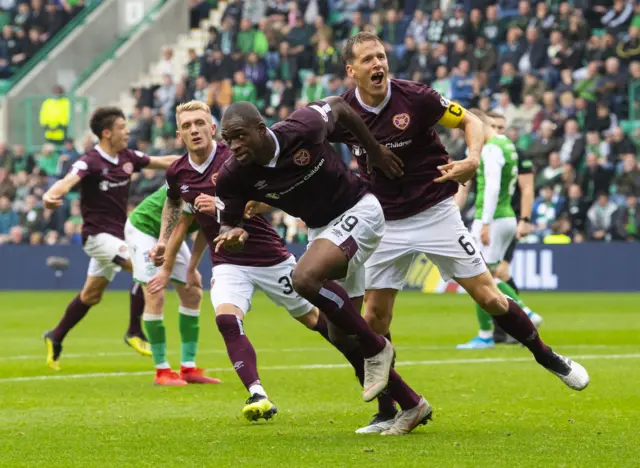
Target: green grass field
x=494 y=408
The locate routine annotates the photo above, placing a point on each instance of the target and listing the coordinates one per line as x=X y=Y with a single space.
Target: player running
x=420 y=212
x=141 y=233
x=264 y=263
x=104 y=174
x=292 y=166
x=522 y=202
x=495 y=225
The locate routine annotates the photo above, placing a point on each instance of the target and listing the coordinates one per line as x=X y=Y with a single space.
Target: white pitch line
x=315 y=366
x=38 y=357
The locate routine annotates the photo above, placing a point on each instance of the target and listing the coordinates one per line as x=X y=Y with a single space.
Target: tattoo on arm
x=170 y=216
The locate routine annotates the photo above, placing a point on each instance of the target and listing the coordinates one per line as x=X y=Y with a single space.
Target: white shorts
x=358 y=231
x=439 y=233
x=103 y=248
x=501 y=233
x=235 y=284
x=143 y=268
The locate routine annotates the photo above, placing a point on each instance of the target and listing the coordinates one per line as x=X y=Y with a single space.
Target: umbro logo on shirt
x=261 y=184
x=184 y=188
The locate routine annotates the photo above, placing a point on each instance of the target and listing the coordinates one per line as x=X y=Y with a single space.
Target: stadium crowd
x=560 y=72
x=27 y=25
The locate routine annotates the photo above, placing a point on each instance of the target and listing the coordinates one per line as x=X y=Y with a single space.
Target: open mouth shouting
x=378 y=79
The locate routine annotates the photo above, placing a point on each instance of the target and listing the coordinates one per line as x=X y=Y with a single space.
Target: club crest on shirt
x=214 y=178
x=128 y=168
x=302 y=157
x=401 y=121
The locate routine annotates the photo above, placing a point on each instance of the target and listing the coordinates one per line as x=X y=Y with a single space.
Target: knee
x=194 y=298
x=305 y=282
x=493 y=302
x=90 y=297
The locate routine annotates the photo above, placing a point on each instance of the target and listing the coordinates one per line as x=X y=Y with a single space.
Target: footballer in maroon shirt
x=104 y=175
x=421 y=215
x=292 y=166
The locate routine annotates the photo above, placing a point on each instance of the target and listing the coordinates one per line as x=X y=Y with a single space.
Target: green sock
x=154 y=326
x=189 y=333
x=510 y=292
x=484 y=320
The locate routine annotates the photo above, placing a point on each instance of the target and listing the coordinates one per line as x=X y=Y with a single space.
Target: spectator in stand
x=572 y=145
x=595 y=178
x=620 y=144
x=462 y=84
x=243 y=90
x=627 y=220
x=628 y=181
x=420 y=69
x=545 y=210
x=7 y=187
x=526 y=112
x=576 y=209
x=551 y=175
x=544 y=143
x=8 y=218
x=600 y=219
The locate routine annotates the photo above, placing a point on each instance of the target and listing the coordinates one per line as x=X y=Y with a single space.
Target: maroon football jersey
x=104 y=189
x=186 y=180
x=306 y=177
x=404 y=123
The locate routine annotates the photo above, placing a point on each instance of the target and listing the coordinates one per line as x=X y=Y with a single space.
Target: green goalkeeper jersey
x=147 y=216
x=496 y=179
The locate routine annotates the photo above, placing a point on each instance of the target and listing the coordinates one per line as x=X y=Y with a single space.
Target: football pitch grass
x=492 y=408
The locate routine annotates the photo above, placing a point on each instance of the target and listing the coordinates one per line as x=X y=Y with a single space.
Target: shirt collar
x=106 y=155
x=274 y=160
x=379 y=107
x=205 y=165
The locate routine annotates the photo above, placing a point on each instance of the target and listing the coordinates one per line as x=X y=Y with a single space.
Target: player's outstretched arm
x=377 y=155
x=53 y=197
x=161 y=162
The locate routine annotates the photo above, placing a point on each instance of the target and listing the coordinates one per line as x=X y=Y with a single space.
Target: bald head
x=242 y=112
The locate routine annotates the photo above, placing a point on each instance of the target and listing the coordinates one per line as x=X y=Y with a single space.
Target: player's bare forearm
x=53 y=197
x=161 y=162
x=199 y=246
x=64 y=185
x=171 y=212
x=525 y=181
x=176 y=239
x=474 y=134
x=349 y=119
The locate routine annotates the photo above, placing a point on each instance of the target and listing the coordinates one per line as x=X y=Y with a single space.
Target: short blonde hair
x=193 y=105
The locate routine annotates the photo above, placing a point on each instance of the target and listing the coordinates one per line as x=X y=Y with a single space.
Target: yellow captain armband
x=452 y=116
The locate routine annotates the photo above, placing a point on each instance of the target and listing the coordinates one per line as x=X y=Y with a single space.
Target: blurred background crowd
x=565 y=74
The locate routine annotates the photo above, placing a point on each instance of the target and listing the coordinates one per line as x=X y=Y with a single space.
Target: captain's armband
x=452 y=116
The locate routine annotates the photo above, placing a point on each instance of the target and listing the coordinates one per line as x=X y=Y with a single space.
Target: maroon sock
x=398 y=389
x=76 y=310
x=136 y=309
x=239 y=349
x=334 y=301
x=517 y=324
x=322 y=327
